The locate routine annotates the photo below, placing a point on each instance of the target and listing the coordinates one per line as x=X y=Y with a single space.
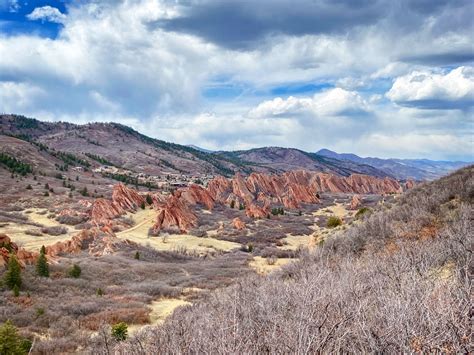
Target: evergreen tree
x=16 y=291
x=11 y=342
x=137 y=255
x=75 y=271
x=42 y=267
x=149 y=199
x=13 y=274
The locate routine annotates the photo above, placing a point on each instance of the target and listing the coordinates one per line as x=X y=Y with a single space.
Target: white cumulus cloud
x=47 y=13
x=332 y=102
x=423 y=89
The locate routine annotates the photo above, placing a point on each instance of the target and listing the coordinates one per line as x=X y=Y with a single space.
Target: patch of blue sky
x=297 y=89
x=14 y=21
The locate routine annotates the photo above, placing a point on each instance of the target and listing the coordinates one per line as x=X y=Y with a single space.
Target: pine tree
x=42 y=267
x=13 y=274
x=11 y=342
x=149 y=199
x=75 y=271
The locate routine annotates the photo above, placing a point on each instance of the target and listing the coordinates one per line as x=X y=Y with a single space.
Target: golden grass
x=16 y=231
x=144 y=220
x=293 y=242
x=339 y=210
x=159 y=311
x=261 y=266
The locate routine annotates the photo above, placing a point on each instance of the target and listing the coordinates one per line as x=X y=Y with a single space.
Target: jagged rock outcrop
x=175 y=213
x=124 y=200
x=409 y=184
x=355 y=202
x=238 y=223
x=195 y=194
x=7 y=247
x=255 y=211
x=293 y=188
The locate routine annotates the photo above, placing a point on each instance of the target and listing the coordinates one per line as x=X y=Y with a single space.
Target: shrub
x=137 y=255
x=55 y=230
x=46 y=194
x=362 y=211
x=29 y=187
x=99 y=292
x=143 y=205
x=75 y=271
x=333 y=222
x=271 y=260
x=84 y=192
x=120 y=331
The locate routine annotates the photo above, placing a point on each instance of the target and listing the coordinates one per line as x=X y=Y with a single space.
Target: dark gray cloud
x=242 y=24
x=441 y=59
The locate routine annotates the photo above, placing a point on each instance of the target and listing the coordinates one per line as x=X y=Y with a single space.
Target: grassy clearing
x=145 y=219
x=18 y=231
x=294 y=242
x=261 y=265
x=159 y=311
x=339 y=210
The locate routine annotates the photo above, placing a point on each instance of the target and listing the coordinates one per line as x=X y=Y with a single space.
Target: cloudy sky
x=373 y=77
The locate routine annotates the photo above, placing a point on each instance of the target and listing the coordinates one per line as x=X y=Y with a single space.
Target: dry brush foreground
x=400 y=281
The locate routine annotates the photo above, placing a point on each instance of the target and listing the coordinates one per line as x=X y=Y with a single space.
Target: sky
x=372 y=77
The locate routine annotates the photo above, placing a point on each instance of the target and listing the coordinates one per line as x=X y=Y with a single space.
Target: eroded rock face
x=196 y=194
x=175 y=212
x=7 y=247
x=355 y=202
x=238 y=223
x=124 y=200
x=293 y=188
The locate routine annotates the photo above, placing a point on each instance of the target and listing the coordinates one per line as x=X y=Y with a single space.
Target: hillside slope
x=398 y=282
x=124 y=147
x=118 y=144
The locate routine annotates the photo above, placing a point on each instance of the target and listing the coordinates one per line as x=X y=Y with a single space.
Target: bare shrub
x=55 y=230
x=34 y=232
x=71 y=220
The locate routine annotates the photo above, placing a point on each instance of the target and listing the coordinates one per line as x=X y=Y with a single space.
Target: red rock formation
x=255 y=211
x=196 y=194
x=176 y=212
x=124 y=200
x=104 y=210
x=7 y=247
x=355 y=202
x=409 y=184
x=238 y=223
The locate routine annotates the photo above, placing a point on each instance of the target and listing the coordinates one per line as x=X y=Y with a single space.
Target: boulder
x=238 y=223
x=355 y=202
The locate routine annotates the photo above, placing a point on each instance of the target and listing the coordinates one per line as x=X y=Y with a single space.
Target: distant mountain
x=277 y=159
x=199 y=148
x=418 y=169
